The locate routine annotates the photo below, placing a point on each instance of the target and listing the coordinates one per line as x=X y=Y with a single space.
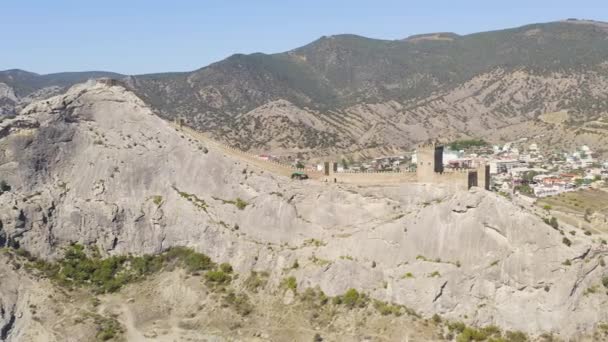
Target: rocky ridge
x=97 y=167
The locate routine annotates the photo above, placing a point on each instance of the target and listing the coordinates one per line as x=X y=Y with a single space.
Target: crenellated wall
x=429 y=169
x=370 y=178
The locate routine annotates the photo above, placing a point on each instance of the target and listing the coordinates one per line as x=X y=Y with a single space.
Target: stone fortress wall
x=249 y=158
x=429 y=168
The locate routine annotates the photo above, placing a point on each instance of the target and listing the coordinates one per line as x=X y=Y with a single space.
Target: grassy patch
x=407 y=275
x=290 y=283
x=314 y=242
x=386 y=309
x=352 y=299
x=238 y=202
x=256 y=281
x=157 y=199
x=319 y=261
x=199 y=203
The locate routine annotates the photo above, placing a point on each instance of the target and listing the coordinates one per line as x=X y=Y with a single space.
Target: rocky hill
x=349 y=93
x=19 y=87
x=367 y=93
x=96 y=167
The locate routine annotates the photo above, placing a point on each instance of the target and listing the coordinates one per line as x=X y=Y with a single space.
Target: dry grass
x=578 y=202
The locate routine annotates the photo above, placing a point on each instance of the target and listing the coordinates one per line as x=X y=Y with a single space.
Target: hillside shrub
x=218 y=277
x=386 y=309
x=351 y=299
x=239 y=302
x=255 y=281
x=106 y=275
x=290 y=283
x=240 y=204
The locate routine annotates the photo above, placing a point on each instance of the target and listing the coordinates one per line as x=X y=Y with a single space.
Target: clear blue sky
x=142 y=36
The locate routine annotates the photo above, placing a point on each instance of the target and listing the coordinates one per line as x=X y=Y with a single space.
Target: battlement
x=429 y=168
x=376 y=172
x=427 y=145
x=458 y=170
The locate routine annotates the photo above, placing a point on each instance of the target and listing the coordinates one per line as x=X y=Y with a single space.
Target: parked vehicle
x=299 y=175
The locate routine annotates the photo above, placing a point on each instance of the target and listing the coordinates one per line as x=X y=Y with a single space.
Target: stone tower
x=483 y=176
x=430 y=161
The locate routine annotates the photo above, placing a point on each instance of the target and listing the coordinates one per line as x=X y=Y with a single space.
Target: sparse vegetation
x=256 y=281
x=107 y=327
x=290 y=283
x=351 y=299
x=103 y=275
x=386 y=309
x=314 y=242
x=407 y=275
x=552 y=222
x=240 y=204
x=199 y=203
x=435 y=274
x=157 y=199
x=239 y=302
x=566 y=241
x=466 y=144
x=218 y=277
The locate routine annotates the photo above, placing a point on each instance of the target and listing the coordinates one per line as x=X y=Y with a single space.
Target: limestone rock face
x=97 y=167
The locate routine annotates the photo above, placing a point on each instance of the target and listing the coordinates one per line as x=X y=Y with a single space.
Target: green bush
x=290 y=283
x=218 y=277
x=566 y=241
x=456 y=326
x=240 y=204
x=107 y=328
x=471 y=334
x=226 y=268
x=351 y=299
x=157 y=199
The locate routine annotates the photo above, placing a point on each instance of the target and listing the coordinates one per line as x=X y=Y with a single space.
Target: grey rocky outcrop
x=97 y=167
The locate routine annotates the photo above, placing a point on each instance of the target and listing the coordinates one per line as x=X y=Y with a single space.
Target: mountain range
x=350 y=94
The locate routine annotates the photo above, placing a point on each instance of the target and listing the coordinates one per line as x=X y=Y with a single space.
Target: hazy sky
x=142 y=36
